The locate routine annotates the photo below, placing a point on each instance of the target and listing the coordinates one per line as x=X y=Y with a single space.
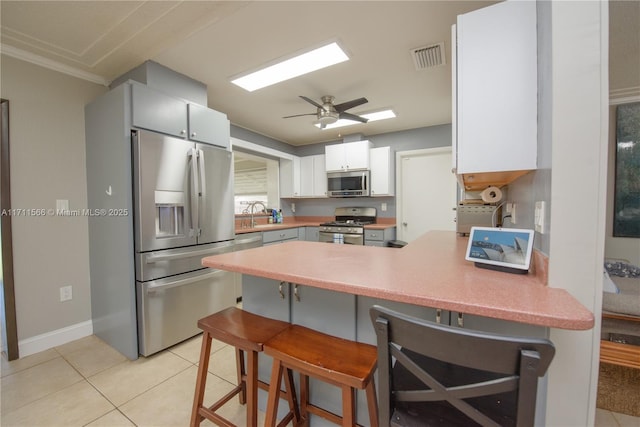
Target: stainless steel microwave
x=348 y=184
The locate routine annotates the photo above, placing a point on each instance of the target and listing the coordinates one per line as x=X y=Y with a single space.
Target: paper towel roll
x=491 y=195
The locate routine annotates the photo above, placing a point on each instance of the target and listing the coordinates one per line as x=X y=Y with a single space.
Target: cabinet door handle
x=193 y=134
x=438 y=315
x=280 y=291
x=461 y=320
x=295 y=293
x=183 y=132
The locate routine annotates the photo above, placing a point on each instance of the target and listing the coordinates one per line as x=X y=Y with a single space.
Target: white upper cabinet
x=495 y=89
x=158 y=112
x=347 y=156
x=382 y=179
x=290 y=177
x=313 y=177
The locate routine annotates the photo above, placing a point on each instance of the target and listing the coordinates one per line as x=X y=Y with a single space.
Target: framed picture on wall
x=626 y=219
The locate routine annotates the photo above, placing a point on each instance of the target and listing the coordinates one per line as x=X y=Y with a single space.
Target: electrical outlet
x=383 y=207
x=66 y=293
x=538 y=217
x=62 y=205
x=293 y=207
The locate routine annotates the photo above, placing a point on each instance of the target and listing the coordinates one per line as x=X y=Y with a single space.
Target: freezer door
x=163 y=187
x=216 y=218
x=169 y=309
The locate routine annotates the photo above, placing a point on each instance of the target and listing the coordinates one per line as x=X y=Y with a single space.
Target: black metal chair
x=448 y=376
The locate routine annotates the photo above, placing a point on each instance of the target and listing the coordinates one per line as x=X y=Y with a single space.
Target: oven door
x=344 y=238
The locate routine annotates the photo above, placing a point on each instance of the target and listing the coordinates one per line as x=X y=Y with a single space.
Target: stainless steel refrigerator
x=183 y=211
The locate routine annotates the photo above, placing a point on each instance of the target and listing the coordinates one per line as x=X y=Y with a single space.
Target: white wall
x=47 y=163
x=578 y=198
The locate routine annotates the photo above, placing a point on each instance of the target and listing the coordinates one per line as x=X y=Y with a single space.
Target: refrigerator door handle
x=194 y=196
x=152 y=259
x=152 y=288
x=202 y=183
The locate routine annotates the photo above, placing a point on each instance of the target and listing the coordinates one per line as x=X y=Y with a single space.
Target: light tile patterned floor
x=87 y=383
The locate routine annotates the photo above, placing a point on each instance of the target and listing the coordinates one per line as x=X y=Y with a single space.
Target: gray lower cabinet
x=312 y=234
x=327 y=311
x=279 y=236
x=487 y=324
x=379 y=237
x=332 y=313
x=347 y=316
x=269 y=298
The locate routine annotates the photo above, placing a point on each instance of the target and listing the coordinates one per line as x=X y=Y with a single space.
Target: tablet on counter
x=503 y=249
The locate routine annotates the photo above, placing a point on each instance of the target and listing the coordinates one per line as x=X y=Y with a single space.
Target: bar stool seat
x=247 y=332
x=346 y=364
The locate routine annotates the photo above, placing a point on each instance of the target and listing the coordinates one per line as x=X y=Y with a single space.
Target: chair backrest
x=442 y=367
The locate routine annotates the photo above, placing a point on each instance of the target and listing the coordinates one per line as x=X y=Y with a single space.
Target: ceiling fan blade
x=349 y=116
x=300 y=115
x=312 y=102
x=350 y=104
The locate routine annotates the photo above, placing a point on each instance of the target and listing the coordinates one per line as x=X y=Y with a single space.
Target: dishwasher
x=242 y=242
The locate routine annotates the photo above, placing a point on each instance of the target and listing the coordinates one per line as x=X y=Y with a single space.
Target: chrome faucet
x=252 y=209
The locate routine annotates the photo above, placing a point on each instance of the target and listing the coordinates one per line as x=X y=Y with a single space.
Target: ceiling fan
x=329 y=113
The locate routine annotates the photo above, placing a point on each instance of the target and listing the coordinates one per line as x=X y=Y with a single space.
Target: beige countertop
x=431 y=271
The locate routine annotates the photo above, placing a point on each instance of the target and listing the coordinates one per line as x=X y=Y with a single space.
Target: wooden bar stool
x=347 y=364
x=247 y=332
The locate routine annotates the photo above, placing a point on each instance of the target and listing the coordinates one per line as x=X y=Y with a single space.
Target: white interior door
x=426 y=192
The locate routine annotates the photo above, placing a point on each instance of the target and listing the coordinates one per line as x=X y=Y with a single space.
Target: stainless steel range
x=348 y=227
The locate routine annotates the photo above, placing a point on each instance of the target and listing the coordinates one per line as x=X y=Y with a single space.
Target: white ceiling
x=213 y=41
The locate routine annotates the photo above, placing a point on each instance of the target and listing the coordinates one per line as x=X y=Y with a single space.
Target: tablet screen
x=507 y=247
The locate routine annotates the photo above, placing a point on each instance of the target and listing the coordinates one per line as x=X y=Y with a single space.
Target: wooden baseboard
x=620 y=354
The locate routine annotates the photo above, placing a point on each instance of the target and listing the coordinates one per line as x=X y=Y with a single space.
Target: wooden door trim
x=7 y=237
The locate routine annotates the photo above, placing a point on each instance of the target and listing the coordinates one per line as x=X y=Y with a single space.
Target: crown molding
x=51 y=64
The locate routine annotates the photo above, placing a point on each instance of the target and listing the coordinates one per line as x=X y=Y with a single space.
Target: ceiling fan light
x=377 y=115
x=327 y=120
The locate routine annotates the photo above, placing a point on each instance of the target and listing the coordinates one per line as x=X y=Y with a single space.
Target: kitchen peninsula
x=431 y=272
x=331 y=287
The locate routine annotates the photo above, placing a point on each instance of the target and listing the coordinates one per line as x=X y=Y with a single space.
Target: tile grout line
x=82 y=378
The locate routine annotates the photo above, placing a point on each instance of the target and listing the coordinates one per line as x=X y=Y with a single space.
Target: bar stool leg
x=201 y=380
x=304 y=397
x=291 y=397
x=242 y=375
x=372 y=402
x=251 y=386
x=272 y=400
x=348 y=406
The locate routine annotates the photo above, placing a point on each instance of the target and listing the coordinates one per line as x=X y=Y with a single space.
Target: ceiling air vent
x=428 y=56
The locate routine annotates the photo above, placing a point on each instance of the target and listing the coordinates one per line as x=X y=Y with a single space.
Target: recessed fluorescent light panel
x=302 y=64
x=378 y=115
